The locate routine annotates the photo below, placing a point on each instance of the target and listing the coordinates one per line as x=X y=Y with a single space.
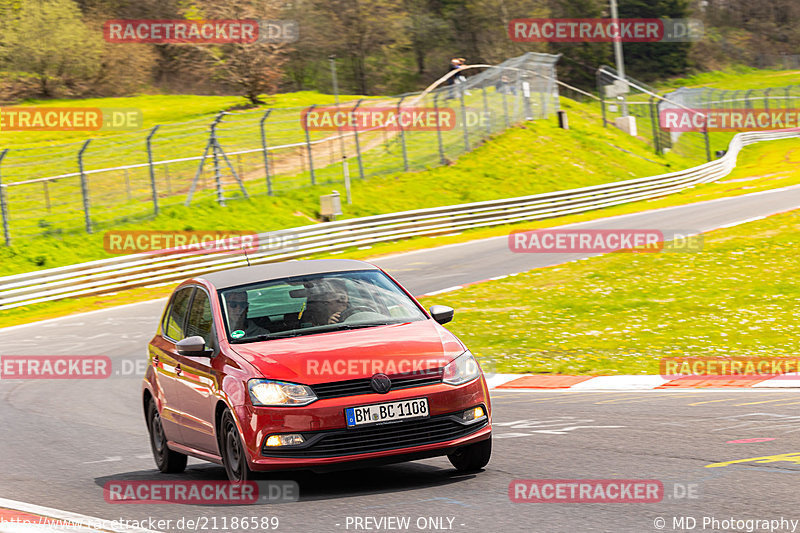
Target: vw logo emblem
x=381 y=383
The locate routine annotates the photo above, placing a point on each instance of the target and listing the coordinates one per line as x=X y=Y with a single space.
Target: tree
x=425 y=31
x=49 y=39
x=580 y=61
x=649 y=61
x=253 y=67
x=357 y=31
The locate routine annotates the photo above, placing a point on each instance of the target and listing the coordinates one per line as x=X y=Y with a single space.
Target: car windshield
x=316 y=303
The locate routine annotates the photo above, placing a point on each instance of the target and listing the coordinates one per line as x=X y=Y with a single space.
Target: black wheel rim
x=157 y=435
x=233 y=451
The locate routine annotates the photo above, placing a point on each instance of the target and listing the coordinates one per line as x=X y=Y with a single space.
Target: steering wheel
x=350 y=311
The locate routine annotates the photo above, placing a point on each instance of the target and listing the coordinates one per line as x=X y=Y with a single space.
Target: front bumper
x=329 y=442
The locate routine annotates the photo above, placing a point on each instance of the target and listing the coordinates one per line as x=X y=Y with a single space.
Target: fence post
x=788 y=90
x=153 y=188
x=543 y=103
x=402 y=134
x=601 y=93
x=486 y=112
x=264 y=149
x=710 y=101
x=505 y=103
x=654 y=120
x=308 y=145
x=213 y=142
x=526 y=97
x=85 y=187
x=708 y=146
x=747 y=98
x=358 y=144
x=464 y=120
x=766 y=98
x=442 y=160
x=3 y=206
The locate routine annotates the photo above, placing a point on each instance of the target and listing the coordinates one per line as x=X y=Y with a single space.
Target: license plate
x=386 y=412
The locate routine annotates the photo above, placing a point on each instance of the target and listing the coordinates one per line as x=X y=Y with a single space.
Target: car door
x=197 y=380
x=163 y=358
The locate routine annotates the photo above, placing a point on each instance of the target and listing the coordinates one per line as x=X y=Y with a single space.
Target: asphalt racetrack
x=61 y=441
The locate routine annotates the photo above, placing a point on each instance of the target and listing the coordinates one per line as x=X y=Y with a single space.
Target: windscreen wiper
x=310 y=331
x=268 y=336
x=340 y=327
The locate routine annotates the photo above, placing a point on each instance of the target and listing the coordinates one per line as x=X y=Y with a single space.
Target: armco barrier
x=142 y=270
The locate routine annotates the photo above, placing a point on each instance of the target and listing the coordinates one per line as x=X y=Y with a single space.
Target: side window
x=200 y=320
x=177 y=313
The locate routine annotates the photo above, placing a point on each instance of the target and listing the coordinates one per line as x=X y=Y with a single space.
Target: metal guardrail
x=158 y=268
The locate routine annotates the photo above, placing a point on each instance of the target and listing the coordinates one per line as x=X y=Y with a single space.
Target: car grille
x=370 y=439
x=355 y=387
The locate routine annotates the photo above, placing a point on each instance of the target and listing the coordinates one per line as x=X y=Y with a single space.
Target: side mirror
x=441 y=313
x=193 y=347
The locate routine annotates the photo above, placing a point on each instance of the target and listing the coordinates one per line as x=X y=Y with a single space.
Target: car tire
x=473 y=457
x=167 y=461
x=234 y=457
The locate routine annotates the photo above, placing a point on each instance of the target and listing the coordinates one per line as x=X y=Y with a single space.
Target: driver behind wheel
x=326 y=302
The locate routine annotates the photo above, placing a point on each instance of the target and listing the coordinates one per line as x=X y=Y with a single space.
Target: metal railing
x=152 y=269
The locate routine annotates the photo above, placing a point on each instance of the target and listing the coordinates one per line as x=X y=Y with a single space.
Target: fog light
x=473 y=414
x=291 y=439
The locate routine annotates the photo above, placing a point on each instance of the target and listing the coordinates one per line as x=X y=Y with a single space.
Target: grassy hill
x=532 y=158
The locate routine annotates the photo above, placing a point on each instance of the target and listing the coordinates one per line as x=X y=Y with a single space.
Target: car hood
x=354 y=354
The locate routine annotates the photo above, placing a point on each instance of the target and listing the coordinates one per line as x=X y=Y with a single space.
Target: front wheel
x=472 y=457
x=233 y=454
x=167 y=461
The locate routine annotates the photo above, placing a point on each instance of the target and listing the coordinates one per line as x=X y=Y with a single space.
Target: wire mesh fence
x=697 y=123
x=107 y=180
x=725 y=112
x=634 y=107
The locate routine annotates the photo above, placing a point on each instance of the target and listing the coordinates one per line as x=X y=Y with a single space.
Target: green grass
x=761 y=166
x=124 y=194
x=738 y=78
x=620 y=313
x=156 y=109
x=533 y=158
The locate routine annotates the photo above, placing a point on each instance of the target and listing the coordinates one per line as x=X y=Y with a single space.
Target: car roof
x=253 y=274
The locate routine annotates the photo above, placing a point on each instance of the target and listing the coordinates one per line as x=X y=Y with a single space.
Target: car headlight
x=266 y=392
x=462 y=369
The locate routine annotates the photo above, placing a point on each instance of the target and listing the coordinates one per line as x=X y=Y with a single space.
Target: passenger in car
x=238 y=305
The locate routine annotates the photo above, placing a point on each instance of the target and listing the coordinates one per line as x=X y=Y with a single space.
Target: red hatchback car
x=310 y=364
